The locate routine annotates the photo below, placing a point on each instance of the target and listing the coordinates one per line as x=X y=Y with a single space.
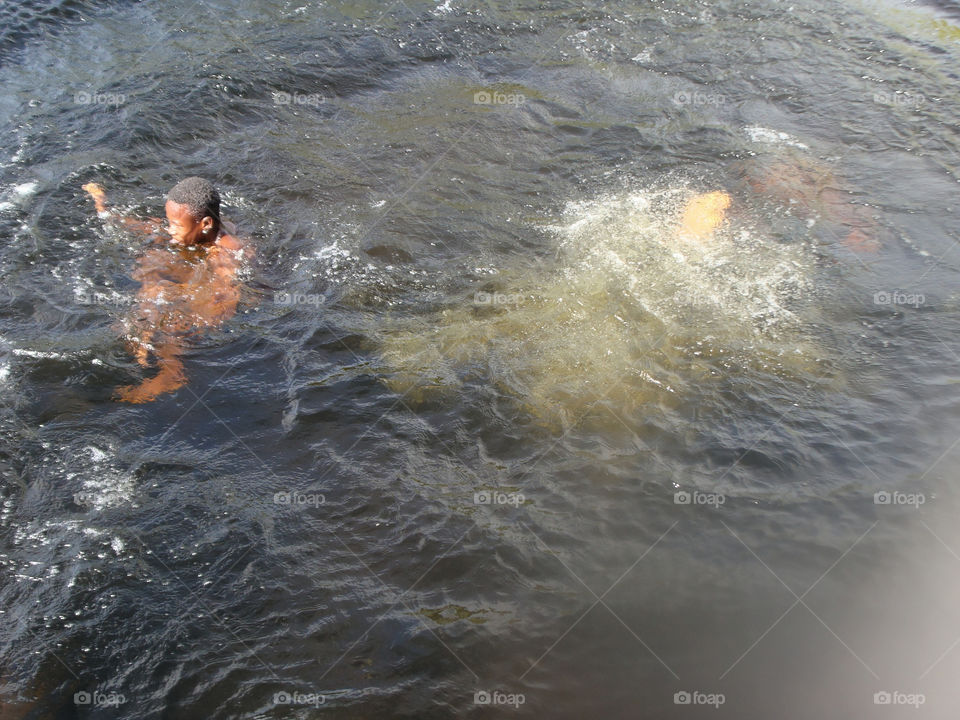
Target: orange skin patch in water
x=703 y=214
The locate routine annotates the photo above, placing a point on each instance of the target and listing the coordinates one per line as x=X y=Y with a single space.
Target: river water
x=485 y=437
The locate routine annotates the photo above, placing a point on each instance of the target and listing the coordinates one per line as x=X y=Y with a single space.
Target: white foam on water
x=47 y=354
x=593 y=44
x=96 y=454
x=86 y=293
x=353 y=274
x=93 y=475
x=45 y=533
x=53 y=355
x=15 y=195
x=773 y=137
x=233 y=199
x=737 y=282
x=24 y=190
x=111 y=488
x=57 y=542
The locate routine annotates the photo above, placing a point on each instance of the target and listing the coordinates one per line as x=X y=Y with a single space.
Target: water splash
x=631 y=304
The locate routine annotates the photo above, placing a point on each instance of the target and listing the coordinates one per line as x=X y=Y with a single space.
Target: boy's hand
x=95 y=190
x=97 y=193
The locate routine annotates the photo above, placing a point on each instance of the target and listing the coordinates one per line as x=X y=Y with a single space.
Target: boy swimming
x=188 y=282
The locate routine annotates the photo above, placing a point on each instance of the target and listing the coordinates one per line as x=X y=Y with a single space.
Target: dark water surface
x=440 y=456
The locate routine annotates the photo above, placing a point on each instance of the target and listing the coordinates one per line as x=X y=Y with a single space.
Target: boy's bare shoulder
x=230 y=251
x=230 y=242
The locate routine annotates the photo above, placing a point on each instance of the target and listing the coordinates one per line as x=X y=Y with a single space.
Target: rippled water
x=486 y=427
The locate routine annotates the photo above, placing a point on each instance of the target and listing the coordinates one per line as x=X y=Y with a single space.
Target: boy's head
x=193 y=211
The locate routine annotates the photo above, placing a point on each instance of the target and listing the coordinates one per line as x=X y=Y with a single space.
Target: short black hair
x=199 y=195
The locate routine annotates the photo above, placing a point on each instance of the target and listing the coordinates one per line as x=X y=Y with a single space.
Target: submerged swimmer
x=804 y=185
x=188 y=281
x=703 y=215
x=811 y=190
x=629 y=304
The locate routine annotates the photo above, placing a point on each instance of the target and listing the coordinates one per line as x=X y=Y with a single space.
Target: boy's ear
x=207 y=223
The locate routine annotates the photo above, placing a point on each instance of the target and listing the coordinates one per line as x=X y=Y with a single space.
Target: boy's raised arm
x=99 y=197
